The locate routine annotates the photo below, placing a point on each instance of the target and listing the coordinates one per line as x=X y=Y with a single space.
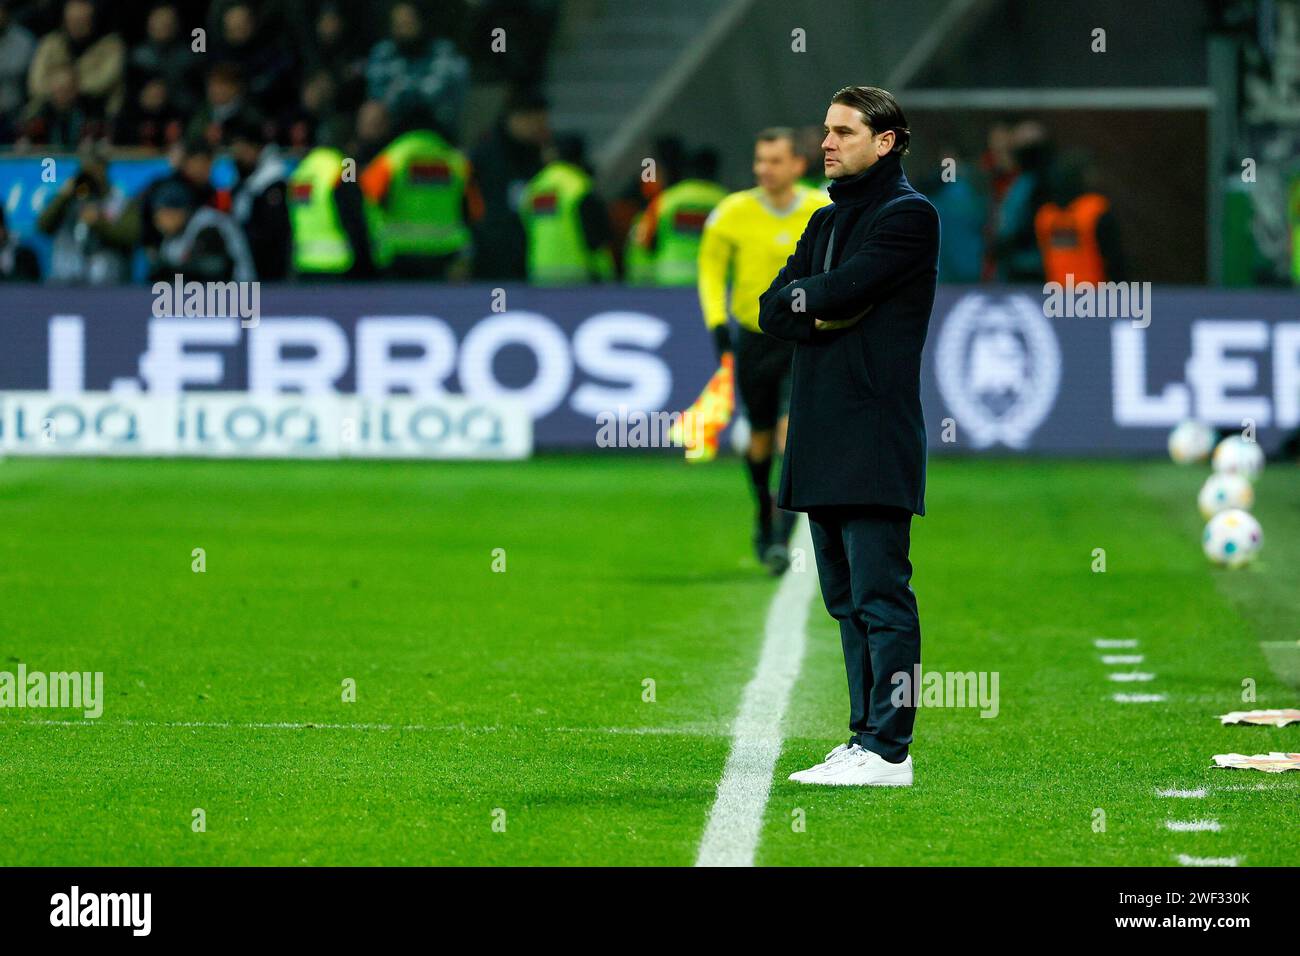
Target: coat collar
x=870 y=185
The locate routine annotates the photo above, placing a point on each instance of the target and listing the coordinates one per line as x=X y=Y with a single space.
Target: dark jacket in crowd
x=502 y=166
x=856 y=435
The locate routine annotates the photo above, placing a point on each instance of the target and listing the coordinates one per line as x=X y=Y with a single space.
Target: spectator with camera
x=192 y=171
x=78 y=219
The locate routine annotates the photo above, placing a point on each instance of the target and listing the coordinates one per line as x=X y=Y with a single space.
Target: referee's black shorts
x=762 y=371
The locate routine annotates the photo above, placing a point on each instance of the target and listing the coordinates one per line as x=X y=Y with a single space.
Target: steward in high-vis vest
x=328 y=219
x=422 y=200
x=1076 y=231
x=678 y=215
x=566 y=225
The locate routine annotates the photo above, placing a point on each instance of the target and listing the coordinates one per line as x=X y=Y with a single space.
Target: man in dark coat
x=855 y=298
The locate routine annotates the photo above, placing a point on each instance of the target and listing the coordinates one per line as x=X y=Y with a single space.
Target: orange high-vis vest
x=1067 y=239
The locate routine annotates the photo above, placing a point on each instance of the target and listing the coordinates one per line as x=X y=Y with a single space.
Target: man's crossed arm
x=903 y=243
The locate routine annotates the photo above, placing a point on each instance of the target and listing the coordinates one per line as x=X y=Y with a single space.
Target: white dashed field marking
x=1193 y=826
x=1108 y=644
x=1185 y=860
x=1122 y=658
x=1138 y=698
x=736 y=820
x=1197 y=794
x=1131 y=677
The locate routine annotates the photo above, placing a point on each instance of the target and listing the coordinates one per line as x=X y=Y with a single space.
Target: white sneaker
x=802 y=776
x=857 y=767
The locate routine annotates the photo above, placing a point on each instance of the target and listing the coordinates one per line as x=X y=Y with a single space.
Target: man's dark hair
x=526 y=99
x=879 y=110
x=570 y=148
x=228 y=71
x=244 y=126
x=774 y=133
x=702 y=164
x=196 y=146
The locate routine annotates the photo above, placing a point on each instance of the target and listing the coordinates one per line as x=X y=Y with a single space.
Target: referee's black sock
x=759 y=473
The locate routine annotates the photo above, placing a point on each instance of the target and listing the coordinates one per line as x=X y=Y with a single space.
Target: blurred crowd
x=344 y=124
x=1024 y=211
x=149 y=75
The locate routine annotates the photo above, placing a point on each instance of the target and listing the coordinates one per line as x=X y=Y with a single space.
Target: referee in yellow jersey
x=748 y=238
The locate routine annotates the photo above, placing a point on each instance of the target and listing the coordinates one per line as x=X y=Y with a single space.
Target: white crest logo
x=999 y=368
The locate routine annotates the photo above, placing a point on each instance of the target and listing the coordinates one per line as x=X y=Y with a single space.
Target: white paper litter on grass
x=1265 y=718
x=1269 y=763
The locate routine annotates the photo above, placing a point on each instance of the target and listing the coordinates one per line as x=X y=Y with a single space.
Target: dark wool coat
x=856 y=433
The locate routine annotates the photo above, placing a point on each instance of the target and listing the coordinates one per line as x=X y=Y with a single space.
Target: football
x=1232 y=538
x=1222 y=491
x=1191 y=441
x=1237 y=456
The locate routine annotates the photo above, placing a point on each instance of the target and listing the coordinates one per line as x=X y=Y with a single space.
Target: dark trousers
x=864 y=568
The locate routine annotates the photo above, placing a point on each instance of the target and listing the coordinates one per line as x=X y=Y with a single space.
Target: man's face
x=329 y=27
x=405 y=23
x=162 y=25
x=197 y=168
x=850 y=145
x=317 y=93
x=776 y=164
x=221 y=92
x=169 y=222
x=529 y=126
x=372 y=121
x=237 y=25
x=78 y=19
x=245 y=154
x=153 y=95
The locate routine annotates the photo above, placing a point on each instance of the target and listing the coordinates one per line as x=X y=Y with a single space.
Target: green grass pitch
x=500 y=717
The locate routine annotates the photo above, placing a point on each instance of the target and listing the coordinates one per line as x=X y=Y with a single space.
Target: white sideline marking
x=1196 y=794
x=1186 y=860
x=736 y=819
x=1138 y=698
x=1131 y=677
x=1106 y=643
x=1122 y=658
x=1193 y=826
x=686 y=730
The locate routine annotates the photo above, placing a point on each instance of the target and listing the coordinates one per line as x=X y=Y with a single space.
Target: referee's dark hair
x=879 y=110
x=773 y=133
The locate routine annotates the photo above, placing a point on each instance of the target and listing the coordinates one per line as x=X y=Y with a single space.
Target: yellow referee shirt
x=747 y=238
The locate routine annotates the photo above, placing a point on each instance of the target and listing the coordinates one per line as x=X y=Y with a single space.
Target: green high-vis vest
x=557 y=247
x=319 y=242
x=423 y=213
x=683 y=207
